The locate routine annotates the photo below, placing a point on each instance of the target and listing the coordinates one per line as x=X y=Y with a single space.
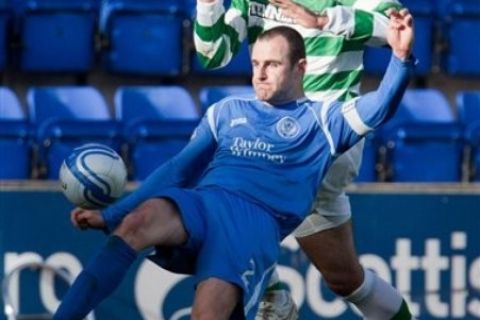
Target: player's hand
x=87 y=219
x=300 y=14
x=400 y=34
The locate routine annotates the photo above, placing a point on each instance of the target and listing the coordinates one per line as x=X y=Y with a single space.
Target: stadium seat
x=68 y=116
x=472 y=137
x=191 y=8
x=441 y=8
x=144 y=37
x=15 y=140
x=369 y=169
x=376 y=59
x=424 y=141
x=157 y=122
x=468 y=103
x=461 y=57
x=422 y=105
x=212 y=94
x=56 y=35
x=133 y=103
x=427 y=152
x=5 y=23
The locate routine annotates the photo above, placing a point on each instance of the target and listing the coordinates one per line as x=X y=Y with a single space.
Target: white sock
x=378 y=300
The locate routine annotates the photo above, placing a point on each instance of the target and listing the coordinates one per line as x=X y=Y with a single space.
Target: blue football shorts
x=230 y=238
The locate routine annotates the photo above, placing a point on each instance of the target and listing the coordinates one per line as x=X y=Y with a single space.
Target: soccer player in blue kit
x=262 y=160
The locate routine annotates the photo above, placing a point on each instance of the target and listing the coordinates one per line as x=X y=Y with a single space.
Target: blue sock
x=98 y=280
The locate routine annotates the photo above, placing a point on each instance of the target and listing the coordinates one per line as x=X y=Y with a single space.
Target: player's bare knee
x=154 y=222
x=134 y=225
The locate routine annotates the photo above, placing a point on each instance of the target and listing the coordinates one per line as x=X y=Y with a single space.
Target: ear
x=302 y=65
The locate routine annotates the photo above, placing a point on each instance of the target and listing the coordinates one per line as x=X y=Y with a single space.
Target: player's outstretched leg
x=277 y=303
x=377 y=299
x=154 y=222
x=98 y=280
x=215 y=299
x=332 y=252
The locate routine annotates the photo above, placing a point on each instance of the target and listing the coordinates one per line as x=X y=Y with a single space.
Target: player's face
x=274 y=78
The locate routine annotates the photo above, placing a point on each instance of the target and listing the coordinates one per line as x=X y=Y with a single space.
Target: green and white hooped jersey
x=334 y=54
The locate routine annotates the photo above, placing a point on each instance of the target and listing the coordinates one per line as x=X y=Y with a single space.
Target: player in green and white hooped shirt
x=335 y=52
x=335 y=37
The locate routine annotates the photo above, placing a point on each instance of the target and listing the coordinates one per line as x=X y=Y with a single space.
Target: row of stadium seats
x=139 y=36
x=445 y=37
x=424 y=142
x=147 y=37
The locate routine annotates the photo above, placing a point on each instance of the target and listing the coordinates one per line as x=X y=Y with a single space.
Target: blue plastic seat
x=472 y=137
x=427 y=152
x=68 y=116
x=376 y=59
x=10 y=107
x=134 y=103
x=422 y=105
x=212 y=94
x=144 y=36
x=369 y=169
x=424 y=140
x=441 y=8
x=57 y=36
x=15 y=140
x=468 y=104
x=461 y=57
x=157 y=122
x=5 y=25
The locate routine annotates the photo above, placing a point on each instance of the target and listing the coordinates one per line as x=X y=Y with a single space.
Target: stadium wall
x=422 y=238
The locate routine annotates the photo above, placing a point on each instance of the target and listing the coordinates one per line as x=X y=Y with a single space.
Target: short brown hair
x=294 y=40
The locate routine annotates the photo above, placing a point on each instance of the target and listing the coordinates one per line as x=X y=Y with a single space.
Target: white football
x=93 y=176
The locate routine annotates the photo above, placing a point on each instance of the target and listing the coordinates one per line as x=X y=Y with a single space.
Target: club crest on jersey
x=288 y=127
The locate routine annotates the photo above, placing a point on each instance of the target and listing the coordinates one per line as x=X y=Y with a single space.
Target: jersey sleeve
x=366 y=21
x=345 y=123
x=218 y=34
x=179 y=171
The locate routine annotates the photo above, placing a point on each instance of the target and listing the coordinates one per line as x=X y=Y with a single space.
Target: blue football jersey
x=275 y=156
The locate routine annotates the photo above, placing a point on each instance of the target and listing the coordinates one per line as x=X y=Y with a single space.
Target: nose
x=260 y=73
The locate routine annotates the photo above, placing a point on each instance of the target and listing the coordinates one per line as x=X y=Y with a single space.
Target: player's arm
x=218 y=34
x=338 y=20
x=364 y=21
x=373 y=19
x=177 y=172
x=348 y=122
